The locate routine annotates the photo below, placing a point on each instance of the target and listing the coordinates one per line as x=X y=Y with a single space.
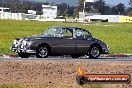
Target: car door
x=56 y=45
x=82 y=41
x=68 y=43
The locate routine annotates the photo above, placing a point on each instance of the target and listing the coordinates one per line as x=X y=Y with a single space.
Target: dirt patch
x=58 y=73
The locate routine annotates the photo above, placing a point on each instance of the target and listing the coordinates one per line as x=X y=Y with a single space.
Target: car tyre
x=23 y=55
x=94 y=51
x=42 y=51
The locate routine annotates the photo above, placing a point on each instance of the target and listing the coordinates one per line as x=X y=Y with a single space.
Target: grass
x=117 y=35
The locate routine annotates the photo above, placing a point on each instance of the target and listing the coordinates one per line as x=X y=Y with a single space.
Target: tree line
x=105 y=9
x=66 y=10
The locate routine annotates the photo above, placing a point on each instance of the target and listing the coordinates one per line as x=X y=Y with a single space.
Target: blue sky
x=114 y=2
x=74 y=2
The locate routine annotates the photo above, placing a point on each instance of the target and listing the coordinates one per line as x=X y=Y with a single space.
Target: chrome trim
x=30 y=51
x=22 y=50
x=21 y=45
x=108 y=47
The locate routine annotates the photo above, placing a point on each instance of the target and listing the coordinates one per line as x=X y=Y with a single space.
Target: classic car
x=60 y=40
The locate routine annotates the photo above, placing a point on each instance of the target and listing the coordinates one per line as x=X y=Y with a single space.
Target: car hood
x=35 y=37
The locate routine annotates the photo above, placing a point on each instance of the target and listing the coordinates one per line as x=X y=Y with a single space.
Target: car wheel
x=23 y=55
x=42 y=51
x=75 y=56
x=94 y=51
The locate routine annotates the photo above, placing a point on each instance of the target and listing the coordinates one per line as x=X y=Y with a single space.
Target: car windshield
x=53 y=32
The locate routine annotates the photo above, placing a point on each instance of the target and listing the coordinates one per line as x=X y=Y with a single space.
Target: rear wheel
x=23 y=55
x=42 y=51
x=94 y=51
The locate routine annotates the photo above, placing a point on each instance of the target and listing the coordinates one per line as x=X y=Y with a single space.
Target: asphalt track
x=121 y=59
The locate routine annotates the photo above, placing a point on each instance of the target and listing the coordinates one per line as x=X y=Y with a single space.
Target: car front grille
x=19 y=44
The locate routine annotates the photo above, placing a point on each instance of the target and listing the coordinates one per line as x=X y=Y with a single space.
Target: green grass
x=117 y=35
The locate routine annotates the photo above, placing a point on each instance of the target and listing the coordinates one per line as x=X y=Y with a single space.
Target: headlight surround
x=15 y=41
x=108 y=47
x=26 y=43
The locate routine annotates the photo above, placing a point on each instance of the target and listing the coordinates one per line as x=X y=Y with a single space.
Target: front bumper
x=22 y=46
x=105 y=50
x=22 y=50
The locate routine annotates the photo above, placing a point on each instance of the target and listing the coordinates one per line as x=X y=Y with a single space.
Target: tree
x=88 y=6
x=130 y=2
x=107 y=10
x=80 y=5
x=79 y=8
x=75 y=12
x=115 y=10
x=95 y=7
x=66 y=14
x=14 y=5
x=71 y=10
x=119 y=9
x=62 y=7
x=129 y=11
x=100 y=6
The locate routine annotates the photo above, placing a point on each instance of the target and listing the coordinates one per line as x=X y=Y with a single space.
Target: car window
x=54 y=32
x=67 y=33
x=87 y=33
x=81 y=33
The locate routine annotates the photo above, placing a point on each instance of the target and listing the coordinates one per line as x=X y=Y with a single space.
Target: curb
x=8 y=55
x=103 y=56
x=117 y=55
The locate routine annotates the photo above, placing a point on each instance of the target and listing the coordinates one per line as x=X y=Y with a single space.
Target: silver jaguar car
x=60 y=40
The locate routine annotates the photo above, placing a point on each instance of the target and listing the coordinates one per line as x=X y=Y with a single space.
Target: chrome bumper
x=19 y=50
x=105 y=51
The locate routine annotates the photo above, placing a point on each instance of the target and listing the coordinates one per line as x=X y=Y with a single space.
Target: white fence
x=15 y=16
x=23 y=16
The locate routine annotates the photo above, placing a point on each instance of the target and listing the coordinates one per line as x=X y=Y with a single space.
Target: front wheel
x=42 y=51
x=23 y=55
x=94 y=51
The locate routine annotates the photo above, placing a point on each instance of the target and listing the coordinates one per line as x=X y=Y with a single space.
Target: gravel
x=58 y=73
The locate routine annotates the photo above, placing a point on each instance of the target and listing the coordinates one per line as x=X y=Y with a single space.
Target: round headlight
x=24 y=42
x=15 y=41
